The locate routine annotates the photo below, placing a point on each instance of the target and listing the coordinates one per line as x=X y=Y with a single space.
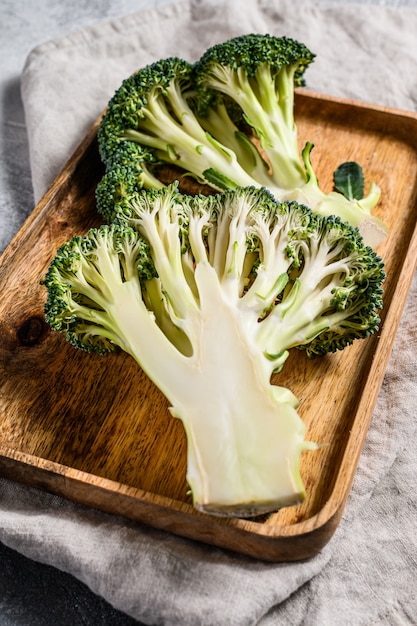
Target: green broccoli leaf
x=349 y=180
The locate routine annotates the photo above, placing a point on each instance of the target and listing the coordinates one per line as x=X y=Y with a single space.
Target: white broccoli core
x=243 y=443
x=244 y=435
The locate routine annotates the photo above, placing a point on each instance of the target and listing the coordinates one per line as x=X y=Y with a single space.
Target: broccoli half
x=208 y=294
x=225 y=121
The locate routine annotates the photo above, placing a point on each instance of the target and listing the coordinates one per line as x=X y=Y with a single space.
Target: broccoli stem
x=218 y=123
x=130 y=324
x=267 y=105
x=244 y=434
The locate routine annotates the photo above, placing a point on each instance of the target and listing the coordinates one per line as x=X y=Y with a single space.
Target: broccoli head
x=208 y=294
x=226 y=121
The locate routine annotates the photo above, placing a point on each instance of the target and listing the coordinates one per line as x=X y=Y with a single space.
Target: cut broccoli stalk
x=208 y=295
x=244 y=439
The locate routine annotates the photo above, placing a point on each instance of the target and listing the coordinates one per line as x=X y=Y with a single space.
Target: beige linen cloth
x=366 y=574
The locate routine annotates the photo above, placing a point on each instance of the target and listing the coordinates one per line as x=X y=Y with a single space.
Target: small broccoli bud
x=128 y=169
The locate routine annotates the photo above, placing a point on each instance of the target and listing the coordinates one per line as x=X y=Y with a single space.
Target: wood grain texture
x=96 y=430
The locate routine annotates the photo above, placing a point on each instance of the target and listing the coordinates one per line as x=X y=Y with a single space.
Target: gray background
x=30 y=593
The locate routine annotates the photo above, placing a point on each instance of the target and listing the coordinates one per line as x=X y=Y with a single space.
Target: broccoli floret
x=259 y=73
x=153 y=108
x=208 y=294
x=129 y=168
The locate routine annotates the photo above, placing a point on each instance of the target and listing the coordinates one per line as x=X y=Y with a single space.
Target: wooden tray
x=96 y=430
